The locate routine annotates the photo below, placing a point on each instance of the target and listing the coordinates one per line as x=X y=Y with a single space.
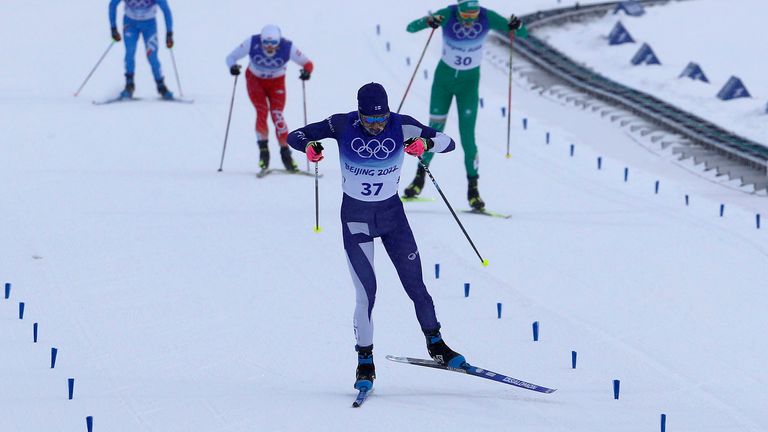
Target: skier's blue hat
x=372 y=100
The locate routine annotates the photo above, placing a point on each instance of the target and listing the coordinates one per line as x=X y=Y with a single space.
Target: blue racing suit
x=139 y=20
x=372 y=208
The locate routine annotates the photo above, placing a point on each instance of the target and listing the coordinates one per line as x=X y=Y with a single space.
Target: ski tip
x=485 y=263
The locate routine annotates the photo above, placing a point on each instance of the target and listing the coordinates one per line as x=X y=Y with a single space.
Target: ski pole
x=94 y=68
x=509 y=95
x=176 y=71
x=229 y=119
x=304 y=102
x=317 y=183
x=416 y=70
x=442 y=195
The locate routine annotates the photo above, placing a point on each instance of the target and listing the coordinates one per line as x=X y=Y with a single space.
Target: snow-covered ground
x=717 y=35
x=182 y=299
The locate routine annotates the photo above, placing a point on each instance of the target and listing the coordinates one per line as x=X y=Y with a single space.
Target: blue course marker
x=437 y=271
x=626 y=174
x=663 y=423
x=426 y=74
x=481 y=103
x=7 y=290
x=573 y=359
x=686 y=200
x=34 y=333
x=547 y=138
x=525 y=124
x=535 y=331
x=616 y=384
x=757 y=220
x=722 y=209
x=503 y=111
x=407 y=61
x=71 y=387
x=378 y=29
x=656 y=189
x=21 y=310
x=388 y=47
x=599 y=162
x=498 y=310
x=466 y=289
x=572 y=149
x=89 y=423
x=54 y=352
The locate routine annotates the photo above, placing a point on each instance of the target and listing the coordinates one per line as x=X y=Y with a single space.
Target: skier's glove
x=514 y=23
x=304 y=75
x=169 y=40
x=116 y=35
x=417 y=146
x=434 y=21
x=314 y=151
x=235 y=69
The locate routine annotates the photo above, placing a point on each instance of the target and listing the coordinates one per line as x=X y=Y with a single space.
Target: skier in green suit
x=465 y=27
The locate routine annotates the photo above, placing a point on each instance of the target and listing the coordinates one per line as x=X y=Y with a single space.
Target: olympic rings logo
x=269 y=62
x=464 y=32
x=140 y=3
x=374 y=148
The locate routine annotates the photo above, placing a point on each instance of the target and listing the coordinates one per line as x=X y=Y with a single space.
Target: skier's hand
x=314 y=151
x=514 y=23
x=116 y=35
x=435 y=21
x=304 y=75
x=417 y=146
x=169 y=40
x=235 y=69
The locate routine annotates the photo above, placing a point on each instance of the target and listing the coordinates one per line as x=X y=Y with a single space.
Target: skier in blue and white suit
x=372 y=143
x=139 y=20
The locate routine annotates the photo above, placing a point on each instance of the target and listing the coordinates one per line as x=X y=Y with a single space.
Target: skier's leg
x=131 y=37
x=358 y=245
x=467 y=98
x=149 y=32
x=443 y=90
x=275 y=89
x=259 y=100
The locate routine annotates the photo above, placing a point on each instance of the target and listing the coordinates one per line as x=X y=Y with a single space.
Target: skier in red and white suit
x=269 y=54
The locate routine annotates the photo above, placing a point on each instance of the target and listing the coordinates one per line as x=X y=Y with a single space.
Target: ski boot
x=163 y=90
x=473 y=195
x=263 y=154
x=127 y=93
x=414 y=189
x=441 y=353
x=366 y=371
x=285 y=155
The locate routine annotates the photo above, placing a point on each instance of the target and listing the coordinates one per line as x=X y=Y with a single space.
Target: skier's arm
x=298 y=57
x=301 y=137
x=113 y=12
x=167 y=14
x=501 y=25
x=421 y=23
x=412 y=129
x=239 y=52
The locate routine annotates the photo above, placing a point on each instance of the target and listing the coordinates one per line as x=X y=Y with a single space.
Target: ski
x=117 y=99
x=415 y=199
x=488 y=213
x=185 y=101
x=474 y=371
x=362 y=395
x=265 y=172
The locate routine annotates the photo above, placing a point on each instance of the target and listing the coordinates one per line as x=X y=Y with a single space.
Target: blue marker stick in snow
x=573 y=359
x=54 y=353
x=535 y=331
x=525 y=124
x=34 y=333
x=466 y=289
x=503 y=111
x=71 y=387
x=656 y=190
x=426 y=74
x=686 y=200
x=663 y=423
x=722 y=209
x=616 y=384
x=89 y=423
x=378 y=29
x=498 y=310
x=757 y=220
x=626 y=174
x=481 y=103
x=573 y=148
x=7 y=290
x=388 y=46
x=437 y=271
x=547 y=138
x=407 y=61
x=599 y=162
x=21 y=310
